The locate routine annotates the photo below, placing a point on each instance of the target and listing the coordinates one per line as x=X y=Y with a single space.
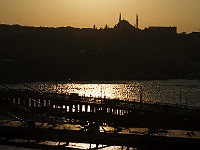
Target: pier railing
x=45 y=105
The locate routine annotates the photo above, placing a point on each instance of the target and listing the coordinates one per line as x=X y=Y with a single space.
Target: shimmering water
x=178 y=92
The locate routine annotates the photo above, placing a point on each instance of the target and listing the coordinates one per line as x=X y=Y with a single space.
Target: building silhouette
x=161 y=30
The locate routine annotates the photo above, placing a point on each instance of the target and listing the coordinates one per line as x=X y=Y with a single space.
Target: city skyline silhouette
x=84 y=14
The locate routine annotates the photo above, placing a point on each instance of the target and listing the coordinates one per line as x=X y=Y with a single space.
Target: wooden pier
x=31 y=106
x=119 y=112
x=145 y=140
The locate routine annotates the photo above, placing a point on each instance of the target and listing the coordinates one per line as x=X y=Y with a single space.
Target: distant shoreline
x=120 y=53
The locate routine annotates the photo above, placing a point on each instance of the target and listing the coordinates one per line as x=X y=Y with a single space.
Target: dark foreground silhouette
x=120 y=53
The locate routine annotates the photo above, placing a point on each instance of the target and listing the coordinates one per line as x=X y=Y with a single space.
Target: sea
x=176 y=92
x=183 y=93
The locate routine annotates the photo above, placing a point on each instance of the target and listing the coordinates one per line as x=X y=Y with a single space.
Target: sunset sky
x=185 y=14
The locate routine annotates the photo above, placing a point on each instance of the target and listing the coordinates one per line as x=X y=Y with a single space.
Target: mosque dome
x=123 y=25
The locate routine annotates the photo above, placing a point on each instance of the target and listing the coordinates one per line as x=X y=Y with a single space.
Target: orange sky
x=185 y=14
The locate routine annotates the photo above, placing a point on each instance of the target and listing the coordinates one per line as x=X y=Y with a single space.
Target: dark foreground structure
x=123 y=52
x=36 y=116
x=130 y=140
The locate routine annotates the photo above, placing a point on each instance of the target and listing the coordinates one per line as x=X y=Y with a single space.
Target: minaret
x=136 y=21
x=120 y=17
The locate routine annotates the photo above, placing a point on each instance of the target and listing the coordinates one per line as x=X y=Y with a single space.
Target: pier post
x=70 y=108
x=18 y=101
x=41 y=102
x=32 y=102
x=91 y=108
x=85 y=108
x=76 y=108
x=14 y=100
x=97 y=145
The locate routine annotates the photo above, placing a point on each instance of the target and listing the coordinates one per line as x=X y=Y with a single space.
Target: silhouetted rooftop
x=123 y=24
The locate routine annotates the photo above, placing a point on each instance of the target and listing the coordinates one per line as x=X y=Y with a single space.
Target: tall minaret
x=120 y=17
x=136 y=21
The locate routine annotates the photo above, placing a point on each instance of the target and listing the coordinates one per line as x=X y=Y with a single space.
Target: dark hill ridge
x=120 y=53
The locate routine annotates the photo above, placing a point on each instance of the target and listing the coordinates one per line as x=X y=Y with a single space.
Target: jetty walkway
x=123 y=113
x=28 y=113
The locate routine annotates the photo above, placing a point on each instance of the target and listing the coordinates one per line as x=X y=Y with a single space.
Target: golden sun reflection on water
x=112 y=91
x=179 y=92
